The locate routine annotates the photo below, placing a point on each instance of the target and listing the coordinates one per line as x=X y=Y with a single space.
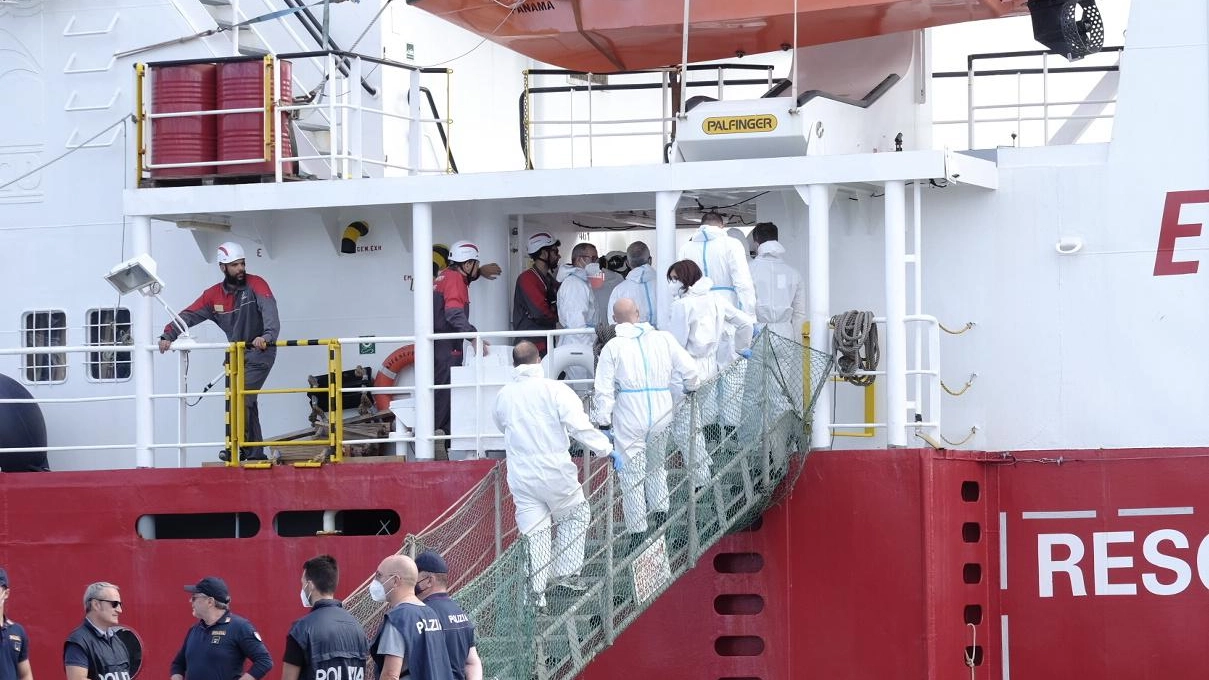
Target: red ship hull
x=1067 y=563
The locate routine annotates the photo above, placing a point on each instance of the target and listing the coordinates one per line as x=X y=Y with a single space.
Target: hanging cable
x=855 y=342
x=65 y=154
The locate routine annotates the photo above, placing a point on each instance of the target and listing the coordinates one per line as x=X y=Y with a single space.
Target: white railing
x=579 y=119
x=988 y=82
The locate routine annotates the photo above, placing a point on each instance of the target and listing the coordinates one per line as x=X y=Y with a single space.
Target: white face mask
x=377 y=591
x=306 y=601
x=675 y=288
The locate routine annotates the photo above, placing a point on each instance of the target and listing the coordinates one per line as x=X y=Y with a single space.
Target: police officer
x=411 y=641
x=328 y=643
x=433 y=588
x=217 y=646
x=93 y=651
x=14 y=659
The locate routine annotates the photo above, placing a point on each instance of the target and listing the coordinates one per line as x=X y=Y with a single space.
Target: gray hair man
x=639 y=284
x=94 y=651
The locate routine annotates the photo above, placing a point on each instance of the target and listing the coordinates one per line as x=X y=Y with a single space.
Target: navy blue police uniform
x=102 y=653
x=327 y=644
x=458 y=631
x=218 y=652
x=412 y=631
x=15 y=648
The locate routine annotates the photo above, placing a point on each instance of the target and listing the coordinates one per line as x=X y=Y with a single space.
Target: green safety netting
x=731 y=450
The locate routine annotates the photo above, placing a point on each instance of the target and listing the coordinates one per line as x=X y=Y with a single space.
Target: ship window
x=973 y=614
x=297 y=523
x=738 y=563
x=44 y=329
x=108 y=327
x=739 y=645
x=739 y=605
x=188 y=526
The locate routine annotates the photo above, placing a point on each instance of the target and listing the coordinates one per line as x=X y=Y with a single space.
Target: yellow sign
x=729 y=125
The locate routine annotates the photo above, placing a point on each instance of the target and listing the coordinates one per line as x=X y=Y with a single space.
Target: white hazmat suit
x=780 y=292
x=633 y=393
x=536 y=414
x=700 y=320
x=723 y=259
x=576 y=309
x=639 y=286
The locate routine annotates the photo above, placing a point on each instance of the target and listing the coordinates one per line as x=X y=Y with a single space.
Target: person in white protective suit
x=700 y=319
x=639 y=284
x=536 y=414
x=780 y=292
x=633 y=396
x=723 y=260
x=578 y=281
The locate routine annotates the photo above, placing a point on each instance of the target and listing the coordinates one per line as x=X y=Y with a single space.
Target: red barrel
x=188 y=139
x=241 y=135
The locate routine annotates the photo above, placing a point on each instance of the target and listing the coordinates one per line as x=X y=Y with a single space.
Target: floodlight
x=137 y=273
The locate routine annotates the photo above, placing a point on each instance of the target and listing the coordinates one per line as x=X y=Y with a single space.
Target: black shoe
x=224 y=456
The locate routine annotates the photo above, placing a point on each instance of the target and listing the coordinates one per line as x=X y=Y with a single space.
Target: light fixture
x=138 y=274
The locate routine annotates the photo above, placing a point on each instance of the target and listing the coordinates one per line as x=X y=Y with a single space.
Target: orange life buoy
x=398 y=360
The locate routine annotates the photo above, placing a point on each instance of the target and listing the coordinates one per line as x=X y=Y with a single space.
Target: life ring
x=565 y=356
x=398 y=360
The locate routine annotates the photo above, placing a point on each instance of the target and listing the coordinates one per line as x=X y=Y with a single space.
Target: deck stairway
x=751 y=424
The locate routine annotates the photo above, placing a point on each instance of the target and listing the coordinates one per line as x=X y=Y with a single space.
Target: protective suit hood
x=770 y=250
x=632 y=330
x=707 y=232
x=703 y=286
x=528 y=371
x=643 y=274
x=566 y=271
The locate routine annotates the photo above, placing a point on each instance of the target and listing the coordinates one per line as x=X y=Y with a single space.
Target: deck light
x=138 y=274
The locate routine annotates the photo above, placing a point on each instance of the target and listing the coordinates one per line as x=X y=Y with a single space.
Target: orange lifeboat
x=604 y=36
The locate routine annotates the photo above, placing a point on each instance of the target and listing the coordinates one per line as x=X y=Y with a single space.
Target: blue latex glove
x=618 y=463
x=607 y=431
x=745 y=353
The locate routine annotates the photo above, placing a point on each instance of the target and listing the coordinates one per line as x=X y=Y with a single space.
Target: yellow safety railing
x=237 y=393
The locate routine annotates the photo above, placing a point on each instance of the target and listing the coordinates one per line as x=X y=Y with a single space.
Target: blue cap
x=212 y=586
x=432 y=563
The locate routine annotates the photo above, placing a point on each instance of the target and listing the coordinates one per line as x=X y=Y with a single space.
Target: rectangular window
x=108 y=327
x=44 y=329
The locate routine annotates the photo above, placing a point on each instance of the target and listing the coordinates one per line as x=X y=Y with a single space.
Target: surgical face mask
x=377 y=591
x=675 y=288
x=306 y=601
x=420 y=588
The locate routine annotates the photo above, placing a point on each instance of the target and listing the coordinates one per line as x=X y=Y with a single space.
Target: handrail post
x=182 y=407
x=140 y=116
x=357 y=118
x=499 y=509
x=609 y=631
x=270 y=128
x=278 y=164
x=692 y=486
x=240 y=412
x=229 y=389
x=970 y=101
x=336 y=354
x=142 y=364
x=413 y=131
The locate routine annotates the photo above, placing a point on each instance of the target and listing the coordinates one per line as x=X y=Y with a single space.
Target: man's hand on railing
x=618 y=463
x=260 y=343
x=481 y=344
x=165 y=345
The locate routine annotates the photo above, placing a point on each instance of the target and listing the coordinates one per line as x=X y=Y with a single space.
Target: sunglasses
x=116 y=604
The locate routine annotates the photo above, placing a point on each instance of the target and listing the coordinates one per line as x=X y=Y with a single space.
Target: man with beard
x=243 y=306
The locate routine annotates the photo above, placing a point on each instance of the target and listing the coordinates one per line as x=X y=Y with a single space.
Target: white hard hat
x=230 y=252
x=463 y=251
x=541 y=240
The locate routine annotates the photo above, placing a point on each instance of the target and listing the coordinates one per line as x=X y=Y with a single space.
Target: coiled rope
x=854 y=341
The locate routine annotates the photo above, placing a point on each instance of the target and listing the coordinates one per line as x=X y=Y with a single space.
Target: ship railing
x=1033 y=113
x=338 y=123
x=583 y=118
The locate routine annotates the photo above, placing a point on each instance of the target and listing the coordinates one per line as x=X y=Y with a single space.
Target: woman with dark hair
x=700 y=317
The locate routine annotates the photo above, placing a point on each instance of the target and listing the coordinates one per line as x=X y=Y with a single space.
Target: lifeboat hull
x=604 y=36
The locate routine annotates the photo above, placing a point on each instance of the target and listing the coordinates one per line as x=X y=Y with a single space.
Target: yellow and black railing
x=238 y=392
